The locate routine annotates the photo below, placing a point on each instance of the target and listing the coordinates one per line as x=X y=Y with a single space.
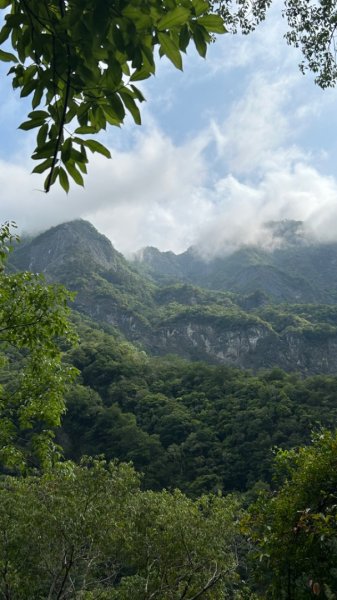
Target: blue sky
x=232 y=142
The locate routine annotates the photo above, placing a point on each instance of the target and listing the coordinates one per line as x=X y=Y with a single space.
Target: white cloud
x=144 y=195
x=158 y=194
x=257 y=127
x=296 y=192
x=215 y=187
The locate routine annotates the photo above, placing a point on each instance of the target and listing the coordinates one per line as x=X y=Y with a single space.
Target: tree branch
x=210 y=583
x=64 y=111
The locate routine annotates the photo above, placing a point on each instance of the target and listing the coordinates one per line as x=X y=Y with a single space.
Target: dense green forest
x=197 y=426
x=172 y=436
x=126 y=475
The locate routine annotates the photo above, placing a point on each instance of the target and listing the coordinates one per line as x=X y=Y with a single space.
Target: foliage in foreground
x=33 y=378
x=88 y=532
x=79 y=61
x=295 y=529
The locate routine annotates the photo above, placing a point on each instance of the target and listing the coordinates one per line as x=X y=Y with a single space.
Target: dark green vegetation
x=86 y=531
x=194 y=425
x=33 y=323
x=191 y=425
x=311 y=26
x=294 y=529
x=84 y=528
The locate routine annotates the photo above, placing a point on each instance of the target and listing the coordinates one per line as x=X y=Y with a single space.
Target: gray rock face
x=255 y=347
x=234 y=347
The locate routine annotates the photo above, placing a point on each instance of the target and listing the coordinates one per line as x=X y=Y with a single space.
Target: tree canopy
x=33 y=378
x=88 y=532
x=294 y=529
x=79 y=61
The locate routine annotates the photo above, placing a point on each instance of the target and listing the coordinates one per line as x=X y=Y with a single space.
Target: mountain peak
x=72 y=242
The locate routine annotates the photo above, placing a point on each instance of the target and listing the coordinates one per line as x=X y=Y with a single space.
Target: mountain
x=107 y=287
x=295 y=269
x=253 y=308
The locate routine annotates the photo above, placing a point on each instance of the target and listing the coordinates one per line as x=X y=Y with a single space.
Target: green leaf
x=131 y=106
x=213 y=23
x=38 y=115
x=77 y=177
x=97 y=118
x=117 y=105
x=174 y=18
x=96 y=146
x=64 y=181
x=66 y=150
x=4 y=33
x=28 y=88
x=138 y=93
x=7 y=56
x=199 y=40
x=110 y=115
x=77 y=156
x=170 y=49
x=82 y=167
x=184 y=38
x=141 y=74
x=37 y=95
x=30 y=124
x=135 y=14
x=5 y=3
x=85 y=129
x=50 y=180
x=44 y=151
x=42 y=135
x=200 y=7
x=46 y=164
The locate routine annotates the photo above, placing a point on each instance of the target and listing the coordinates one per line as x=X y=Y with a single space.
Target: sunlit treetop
x=79 y=61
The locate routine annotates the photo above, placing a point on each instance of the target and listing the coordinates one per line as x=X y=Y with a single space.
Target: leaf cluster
x=294 y=528
x=79 y=60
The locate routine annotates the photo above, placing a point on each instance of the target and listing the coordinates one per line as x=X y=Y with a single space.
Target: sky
x=233 y=142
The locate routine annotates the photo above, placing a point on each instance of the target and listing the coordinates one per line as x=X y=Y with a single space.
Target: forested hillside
x=196 y=513
x=200 y=426
x=263 y=323
x=168 y=421
x=291 y=266
x=192 y=425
